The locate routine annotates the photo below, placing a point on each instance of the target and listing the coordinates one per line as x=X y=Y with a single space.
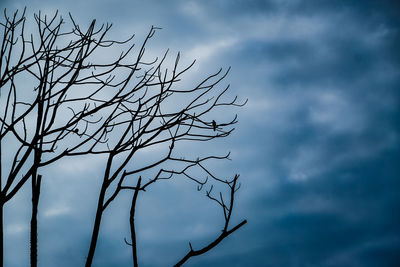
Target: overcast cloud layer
x=317 y=145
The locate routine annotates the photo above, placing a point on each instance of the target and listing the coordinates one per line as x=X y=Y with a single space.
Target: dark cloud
x=332 y=220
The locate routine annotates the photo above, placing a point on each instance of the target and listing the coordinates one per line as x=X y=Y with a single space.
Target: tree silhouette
x=60 y=98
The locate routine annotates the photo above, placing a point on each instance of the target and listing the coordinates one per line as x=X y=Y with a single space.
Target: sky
x=317 y=145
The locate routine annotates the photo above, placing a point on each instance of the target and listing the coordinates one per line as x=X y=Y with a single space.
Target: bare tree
x=81 y=105
x=67 y=121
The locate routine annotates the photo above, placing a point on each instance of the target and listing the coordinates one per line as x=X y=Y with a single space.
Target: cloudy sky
x=317 y=145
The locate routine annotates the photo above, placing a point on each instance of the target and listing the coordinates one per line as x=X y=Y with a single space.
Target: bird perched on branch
x=76 y=130
x=214 y=124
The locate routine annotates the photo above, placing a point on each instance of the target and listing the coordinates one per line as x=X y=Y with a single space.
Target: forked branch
x=225 y=231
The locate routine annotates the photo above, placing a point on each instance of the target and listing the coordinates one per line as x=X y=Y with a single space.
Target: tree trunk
x=132 y=224
x=1 y=212
x=36 y=182
x=96 y=227
x=1 y=234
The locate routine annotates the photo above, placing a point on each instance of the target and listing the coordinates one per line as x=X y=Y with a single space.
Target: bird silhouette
x=214 y=124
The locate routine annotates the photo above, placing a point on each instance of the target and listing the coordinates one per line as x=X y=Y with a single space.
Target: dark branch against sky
x=317 y=145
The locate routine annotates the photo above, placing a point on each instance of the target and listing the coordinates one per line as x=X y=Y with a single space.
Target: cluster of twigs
x=74 y=104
